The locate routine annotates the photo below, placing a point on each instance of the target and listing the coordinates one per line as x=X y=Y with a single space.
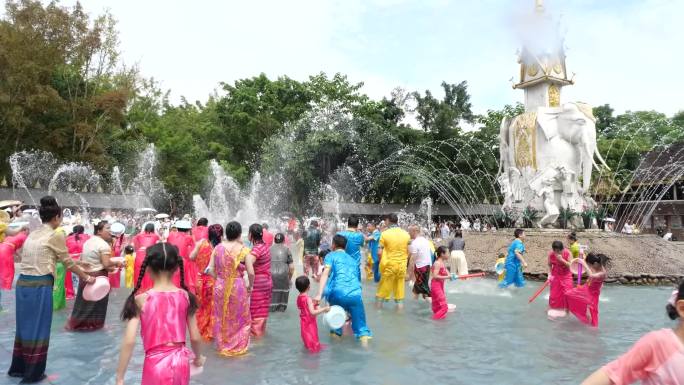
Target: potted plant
x=565 y=216
x=587 y=215
x=601 y=215
x=529 y=216
x=504 y=218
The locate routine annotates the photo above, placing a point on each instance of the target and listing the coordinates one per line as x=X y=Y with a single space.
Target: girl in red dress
x=307 y=315
x=440 y=308
x=583 y=301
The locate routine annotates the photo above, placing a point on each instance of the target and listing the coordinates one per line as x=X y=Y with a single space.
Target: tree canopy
x=64 y=89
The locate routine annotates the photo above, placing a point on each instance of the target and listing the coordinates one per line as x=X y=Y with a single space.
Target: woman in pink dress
x=231 y=318
x=183 y=241
x=307 y=315
x=559 y=275
x=165 y=314
x=205 y=282
x=115 y=277
x=657 y=358
x=201 y=231
x=8 y=248
x=74 y=244
x=141 y=242
x=440 y=308
x=260 y=283
x=583 y=301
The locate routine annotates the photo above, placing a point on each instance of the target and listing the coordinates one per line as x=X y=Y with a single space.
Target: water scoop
x=336 y=317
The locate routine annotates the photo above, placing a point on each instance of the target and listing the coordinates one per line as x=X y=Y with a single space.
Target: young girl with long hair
x=165 y=314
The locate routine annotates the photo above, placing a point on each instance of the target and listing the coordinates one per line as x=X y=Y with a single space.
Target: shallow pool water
x=494 y=337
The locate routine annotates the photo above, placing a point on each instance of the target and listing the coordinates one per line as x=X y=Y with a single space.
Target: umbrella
x=161 y=216
x=10 y=203
x=146 y=211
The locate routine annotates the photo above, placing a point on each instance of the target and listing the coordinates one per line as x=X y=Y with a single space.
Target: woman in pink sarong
x=74 y=243
x=183 y=241
x=260 y=282
x=583 y=301
x=8 y=248
x=231 y=318
x=141 y=242
x=559 y=275
x=440 y=308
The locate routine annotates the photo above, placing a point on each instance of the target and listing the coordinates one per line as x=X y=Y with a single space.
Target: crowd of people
x=212 y=283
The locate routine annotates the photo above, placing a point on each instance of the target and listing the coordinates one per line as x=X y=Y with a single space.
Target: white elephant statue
x=575 y=124
x=551 y=137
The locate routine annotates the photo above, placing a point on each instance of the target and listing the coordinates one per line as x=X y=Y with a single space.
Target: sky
x=623 y=52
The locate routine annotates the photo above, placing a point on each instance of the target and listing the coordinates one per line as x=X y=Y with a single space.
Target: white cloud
x=626 y=53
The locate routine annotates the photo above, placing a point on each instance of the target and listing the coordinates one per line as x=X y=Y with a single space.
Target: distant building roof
x=660 y=165
x=378 y=209
x=79 y=199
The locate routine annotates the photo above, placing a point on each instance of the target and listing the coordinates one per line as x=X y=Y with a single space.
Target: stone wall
x=635 y=259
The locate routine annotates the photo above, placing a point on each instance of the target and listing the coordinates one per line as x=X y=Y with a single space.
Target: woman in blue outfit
x=515 y=261
x=340 y=286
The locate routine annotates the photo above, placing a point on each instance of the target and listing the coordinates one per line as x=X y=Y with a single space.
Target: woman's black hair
x=302 y=283
x=572 y=237
x=256 y=231
x=49 y=209
x=202 y=222
x=602 y=259
x=557 y=246
x=78 y=230
x=670 y=308
x=215 y=233
x=161 y=257
x=458 y=234
x=99 y=227
x=149 y=228
x=129 y=249
x=233 y=230
x=442 y=250
x=279 y=238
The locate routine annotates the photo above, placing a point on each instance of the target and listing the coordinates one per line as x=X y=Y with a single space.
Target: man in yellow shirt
x=393 y=251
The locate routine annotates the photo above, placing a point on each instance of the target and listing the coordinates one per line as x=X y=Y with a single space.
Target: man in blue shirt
x=515 y=261
x=355 y=241
x=373 y=240
x=341 y=286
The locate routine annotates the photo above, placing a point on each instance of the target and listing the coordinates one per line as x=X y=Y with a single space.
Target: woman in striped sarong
x=260 y=284
x=41 y=251
x=97 y=252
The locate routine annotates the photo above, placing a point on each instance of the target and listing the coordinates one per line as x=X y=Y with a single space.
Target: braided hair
x=161 y=257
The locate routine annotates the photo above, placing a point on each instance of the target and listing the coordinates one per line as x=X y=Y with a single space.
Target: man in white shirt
x=627 y=228
x=421 y=260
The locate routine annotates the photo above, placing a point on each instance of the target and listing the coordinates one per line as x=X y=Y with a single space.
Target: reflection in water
x=493 y=337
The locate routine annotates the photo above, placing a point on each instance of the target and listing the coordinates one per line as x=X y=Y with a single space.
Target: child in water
x=657 y=358
x=130 y=265
x=515 y=261
x=501 y=260
x=165 y=314
x=583 y=301
x=439 y=275
x=307 y=315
